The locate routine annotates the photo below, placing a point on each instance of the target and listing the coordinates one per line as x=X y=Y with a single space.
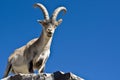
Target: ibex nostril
x=49 y=30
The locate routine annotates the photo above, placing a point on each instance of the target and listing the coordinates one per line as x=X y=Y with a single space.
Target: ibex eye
x=45 y=24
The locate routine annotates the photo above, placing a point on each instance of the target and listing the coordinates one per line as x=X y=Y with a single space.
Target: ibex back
x=35 y=53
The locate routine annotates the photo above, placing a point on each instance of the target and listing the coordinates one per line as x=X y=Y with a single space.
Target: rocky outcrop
x=45 y=76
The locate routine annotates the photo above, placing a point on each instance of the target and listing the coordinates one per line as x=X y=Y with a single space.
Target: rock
x=45 y=76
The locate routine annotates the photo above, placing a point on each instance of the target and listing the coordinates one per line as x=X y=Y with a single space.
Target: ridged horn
x=44 y=10
x=57 y=11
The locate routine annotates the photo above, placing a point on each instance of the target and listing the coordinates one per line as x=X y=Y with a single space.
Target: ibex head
x=50 y=23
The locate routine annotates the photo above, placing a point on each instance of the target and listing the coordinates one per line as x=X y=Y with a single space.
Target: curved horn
x=44 y=10
x=57 y=11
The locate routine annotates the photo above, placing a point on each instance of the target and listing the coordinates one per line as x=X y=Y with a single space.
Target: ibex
x=34 y=54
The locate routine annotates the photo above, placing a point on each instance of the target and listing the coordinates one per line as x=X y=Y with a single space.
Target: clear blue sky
x=87 y=43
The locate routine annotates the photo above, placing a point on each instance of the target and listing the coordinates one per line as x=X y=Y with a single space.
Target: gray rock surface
x=45 y=76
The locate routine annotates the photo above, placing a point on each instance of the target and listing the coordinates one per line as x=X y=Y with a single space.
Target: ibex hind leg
x=8 y=69
x=31 y=67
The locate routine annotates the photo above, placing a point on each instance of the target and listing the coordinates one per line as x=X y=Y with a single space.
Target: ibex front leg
x=40 y=65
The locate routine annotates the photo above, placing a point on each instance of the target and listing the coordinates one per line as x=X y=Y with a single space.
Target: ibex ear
x=59 y=21
x=40 y=21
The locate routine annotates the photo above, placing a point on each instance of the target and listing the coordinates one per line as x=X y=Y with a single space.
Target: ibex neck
x=44 y=41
